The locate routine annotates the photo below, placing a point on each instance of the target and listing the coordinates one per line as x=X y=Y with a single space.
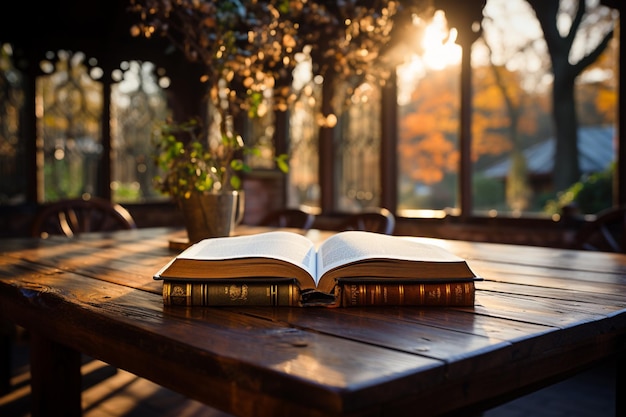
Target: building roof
x=596 y=151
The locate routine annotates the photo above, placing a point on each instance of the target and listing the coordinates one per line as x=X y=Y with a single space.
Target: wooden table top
x=540 y=314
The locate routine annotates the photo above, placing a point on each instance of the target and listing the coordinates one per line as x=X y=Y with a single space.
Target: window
x=428 y=124
x=514 y=155
x=70 y=106
x=520 y=146
x=138 y=104
x=357 y=149
x=69 y=111
x=303 y=187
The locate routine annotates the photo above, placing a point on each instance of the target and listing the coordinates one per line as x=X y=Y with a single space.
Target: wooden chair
x=606 y=233
x=74 y=216
x=379 y=220
x=295 y=218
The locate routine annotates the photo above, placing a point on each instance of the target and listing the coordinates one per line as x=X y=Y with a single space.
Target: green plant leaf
x=282 y=162
x=237 y=165
x=235 y=182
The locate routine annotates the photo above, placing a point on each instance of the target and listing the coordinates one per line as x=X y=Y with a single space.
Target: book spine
x=203 y=293
x=360 y=294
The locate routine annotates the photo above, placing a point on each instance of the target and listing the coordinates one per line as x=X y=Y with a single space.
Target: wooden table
x=540 y=315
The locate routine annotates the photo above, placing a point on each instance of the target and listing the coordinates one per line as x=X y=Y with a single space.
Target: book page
x=287 y=246
x=351 y=246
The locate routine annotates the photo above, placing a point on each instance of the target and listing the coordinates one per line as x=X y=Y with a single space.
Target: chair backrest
x=379 y=220
x=606 y=233
x=74 y=216
x=290 y=217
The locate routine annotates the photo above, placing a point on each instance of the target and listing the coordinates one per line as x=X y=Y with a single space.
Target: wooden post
x=55 y=378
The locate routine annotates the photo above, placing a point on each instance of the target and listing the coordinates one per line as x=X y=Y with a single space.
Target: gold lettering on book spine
x=176 y=293
x=225 y=294
x=442 y=294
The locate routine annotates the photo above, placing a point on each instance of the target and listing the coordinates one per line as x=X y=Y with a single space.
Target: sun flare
x=438 y=43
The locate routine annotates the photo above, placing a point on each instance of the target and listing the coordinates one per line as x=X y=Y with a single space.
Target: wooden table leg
x=7 y=337
x=6 y=359
x=620 y=384
x=55 y=378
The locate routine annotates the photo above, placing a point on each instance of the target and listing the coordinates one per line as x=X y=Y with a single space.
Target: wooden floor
x=109 y=392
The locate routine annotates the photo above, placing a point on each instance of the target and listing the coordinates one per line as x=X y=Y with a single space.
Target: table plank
x=551 y=258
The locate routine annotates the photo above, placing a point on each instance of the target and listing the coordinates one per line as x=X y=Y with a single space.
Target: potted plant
x=241 y=50
x=201 y=172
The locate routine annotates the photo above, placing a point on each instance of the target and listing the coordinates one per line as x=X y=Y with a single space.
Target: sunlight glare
x=440 y=49
x=408 y=76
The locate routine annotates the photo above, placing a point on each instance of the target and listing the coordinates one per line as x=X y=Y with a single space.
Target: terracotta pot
x=212 y=214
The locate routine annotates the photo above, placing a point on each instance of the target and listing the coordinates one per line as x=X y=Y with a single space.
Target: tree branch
x=580 y=12
x=591 y=57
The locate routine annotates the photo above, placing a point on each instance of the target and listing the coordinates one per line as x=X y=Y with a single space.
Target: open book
x=345 y=258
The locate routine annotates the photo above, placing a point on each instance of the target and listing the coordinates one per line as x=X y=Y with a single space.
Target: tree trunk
x=566 y=169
